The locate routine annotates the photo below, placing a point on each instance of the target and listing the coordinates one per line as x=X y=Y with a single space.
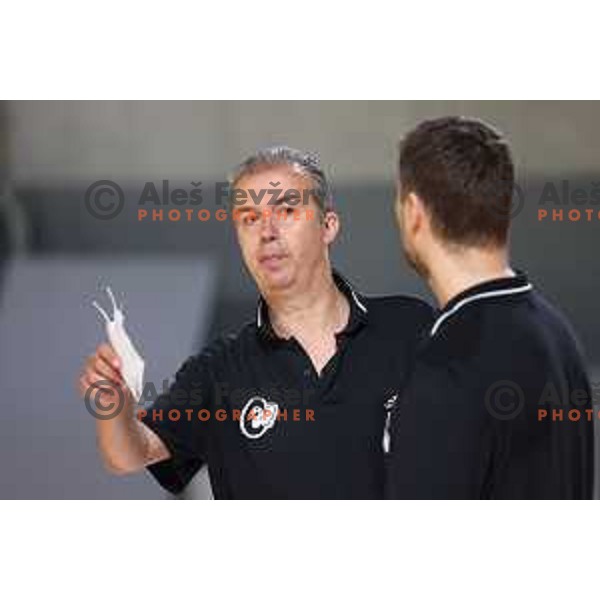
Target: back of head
x=462 y=170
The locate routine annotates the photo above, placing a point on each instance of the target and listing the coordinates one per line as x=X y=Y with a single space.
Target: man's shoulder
x=551 y=324
x=522 y=322
x=400 y=307
x=523 y=331
x=225 y=347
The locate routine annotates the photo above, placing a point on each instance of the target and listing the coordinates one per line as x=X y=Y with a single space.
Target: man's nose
x=268 y=226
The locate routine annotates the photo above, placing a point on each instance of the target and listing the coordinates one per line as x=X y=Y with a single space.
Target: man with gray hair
x=294 y=405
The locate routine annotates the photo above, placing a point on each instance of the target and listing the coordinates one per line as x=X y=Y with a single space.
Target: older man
x=294 y=405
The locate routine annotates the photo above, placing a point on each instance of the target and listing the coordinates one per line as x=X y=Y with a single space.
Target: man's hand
x=126 y=444
x=102 y=371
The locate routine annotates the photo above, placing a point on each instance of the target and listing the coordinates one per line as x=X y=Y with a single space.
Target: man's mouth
x=271 y=260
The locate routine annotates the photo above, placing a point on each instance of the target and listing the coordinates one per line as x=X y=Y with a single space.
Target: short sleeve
x=173 y=416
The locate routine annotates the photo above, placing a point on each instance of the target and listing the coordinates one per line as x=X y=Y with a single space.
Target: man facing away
x=498 y=404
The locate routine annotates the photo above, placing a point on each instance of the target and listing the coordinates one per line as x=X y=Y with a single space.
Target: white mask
x=132 y=364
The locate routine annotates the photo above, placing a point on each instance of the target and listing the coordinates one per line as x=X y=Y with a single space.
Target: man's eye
x=285 y=210
x=250 y=218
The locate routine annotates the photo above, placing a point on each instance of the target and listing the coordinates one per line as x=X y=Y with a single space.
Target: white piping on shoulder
x=459 y=305
x=358 y=302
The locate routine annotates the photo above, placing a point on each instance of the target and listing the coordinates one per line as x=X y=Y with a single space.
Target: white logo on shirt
x=257 y=417
x=388 y=405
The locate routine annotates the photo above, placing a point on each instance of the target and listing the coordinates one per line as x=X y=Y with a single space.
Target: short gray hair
x=307 y=163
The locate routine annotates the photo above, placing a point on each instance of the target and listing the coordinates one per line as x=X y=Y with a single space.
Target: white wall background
x=84 y=141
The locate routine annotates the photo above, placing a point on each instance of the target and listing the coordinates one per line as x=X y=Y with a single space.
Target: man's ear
x=414 y=213
x=331 y=226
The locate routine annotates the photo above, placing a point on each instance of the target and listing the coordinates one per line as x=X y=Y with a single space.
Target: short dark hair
x=462 y=170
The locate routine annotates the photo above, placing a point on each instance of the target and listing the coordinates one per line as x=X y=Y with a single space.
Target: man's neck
x=317 y=308
x=453 y=273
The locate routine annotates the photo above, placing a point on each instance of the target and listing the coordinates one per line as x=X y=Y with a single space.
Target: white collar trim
x=492 y=294
x=353 y=294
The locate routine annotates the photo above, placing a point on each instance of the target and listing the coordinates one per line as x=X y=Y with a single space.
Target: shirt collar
x=357 y=318
x=494 y=288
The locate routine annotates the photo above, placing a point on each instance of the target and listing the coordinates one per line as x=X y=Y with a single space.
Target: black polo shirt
x=471 y=422
x=253 y=407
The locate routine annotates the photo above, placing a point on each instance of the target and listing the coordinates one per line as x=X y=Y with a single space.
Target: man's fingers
x=98 y=365
x=105 y=371
x=94 y=384
x=88 y=386
x=107 y=353
x=102 y=374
